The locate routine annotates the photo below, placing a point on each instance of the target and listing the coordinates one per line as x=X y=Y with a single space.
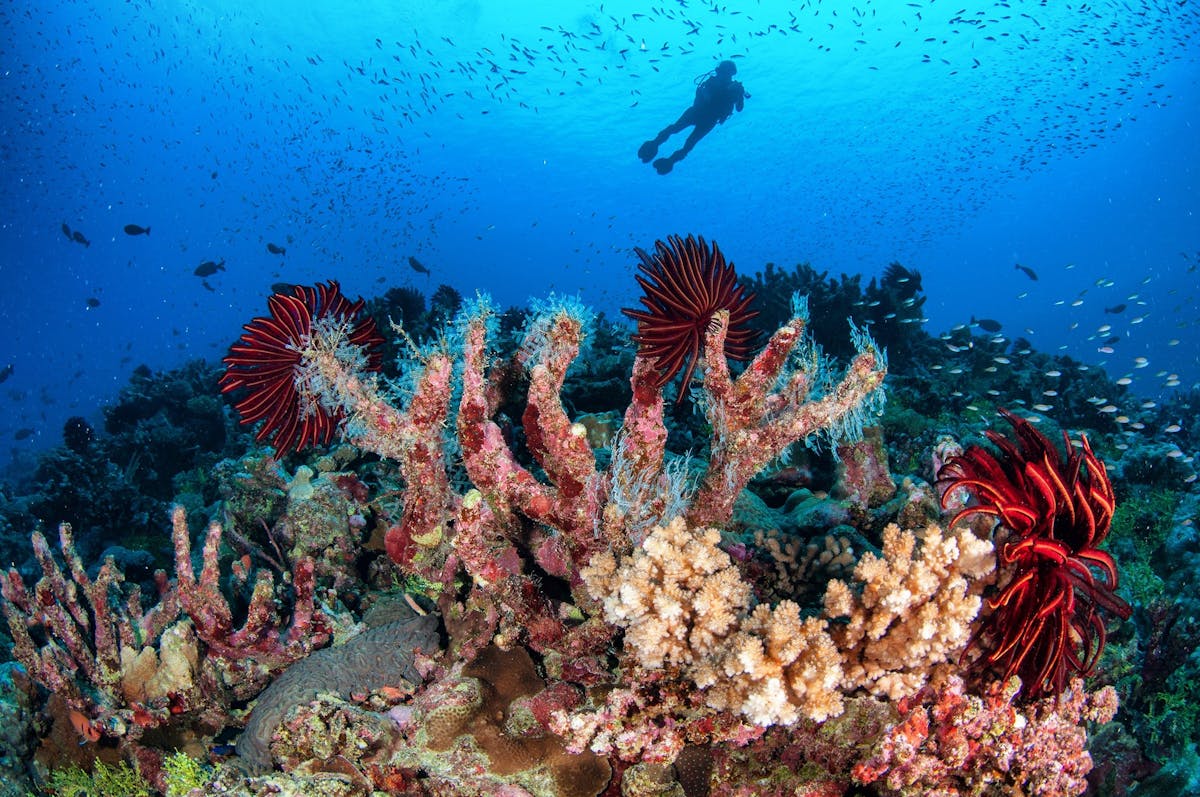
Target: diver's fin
x=663 y=165
x=647 y=151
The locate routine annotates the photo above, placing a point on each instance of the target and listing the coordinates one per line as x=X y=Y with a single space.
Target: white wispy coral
x=678 y=595
x=915 y=608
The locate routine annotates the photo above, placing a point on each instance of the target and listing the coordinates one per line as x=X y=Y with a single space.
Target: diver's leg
x=650 y=148
x=664 y=165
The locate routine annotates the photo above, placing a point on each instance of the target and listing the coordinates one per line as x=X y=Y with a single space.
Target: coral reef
x=611 y=617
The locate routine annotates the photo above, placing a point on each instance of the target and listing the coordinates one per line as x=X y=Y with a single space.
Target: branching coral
x=915 y=607
x=678 y=596
x=777 y=669
x=102 y=652
x=123 y=669
x=681 y=601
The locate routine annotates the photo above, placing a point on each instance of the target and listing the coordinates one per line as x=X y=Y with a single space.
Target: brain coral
x=376 y=658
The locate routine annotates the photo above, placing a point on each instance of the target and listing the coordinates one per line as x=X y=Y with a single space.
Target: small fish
x=135 y=229
x=1027 y=271
x=1173 y=428
x=986 y=324
x=1054 y=373
x=88 y=731
x=276 y=250
x=6 y=372
x=67 y=232
x=1001 y=360
x=282 y=287
x=78 y=238
x=208 y=268
x=92 y=303
x=1116 y=308
x=23 y=434
x=417 y=265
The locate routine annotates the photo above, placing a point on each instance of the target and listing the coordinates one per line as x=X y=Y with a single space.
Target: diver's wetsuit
x=716 y=99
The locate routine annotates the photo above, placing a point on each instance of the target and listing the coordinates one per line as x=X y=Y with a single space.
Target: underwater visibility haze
x=1004 y=198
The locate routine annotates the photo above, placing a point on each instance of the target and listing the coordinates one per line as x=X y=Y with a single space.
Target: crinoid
x=267 y=358
x=686 y=283
x=1045 y=622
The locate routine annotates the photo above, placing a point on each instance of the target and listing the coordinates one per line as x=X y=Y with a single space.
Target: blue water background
x=496 y=142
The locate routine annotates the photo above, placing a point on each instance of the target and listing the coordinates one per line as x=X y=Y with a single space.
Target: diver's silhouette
x=716 y=98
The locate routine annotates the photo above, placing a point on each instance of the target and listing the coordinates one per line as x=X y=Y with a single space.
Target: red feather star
x=686 y=283
x=1044 y=625
x=267 y=358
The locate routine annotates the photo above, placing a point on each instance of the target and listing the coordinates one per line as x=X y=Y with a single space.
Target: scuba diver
x=716 y=98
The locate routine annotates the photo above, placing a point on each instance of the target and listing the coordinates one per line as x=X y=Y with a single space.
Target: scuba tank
x=703 y=88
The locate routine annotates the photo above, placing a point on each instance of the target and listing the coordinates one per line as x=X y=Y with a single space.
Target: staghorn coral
x=914 y=610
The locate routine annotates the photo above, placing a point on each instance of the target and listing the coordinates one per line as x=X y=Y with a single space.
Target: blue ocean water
x=496 y=143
